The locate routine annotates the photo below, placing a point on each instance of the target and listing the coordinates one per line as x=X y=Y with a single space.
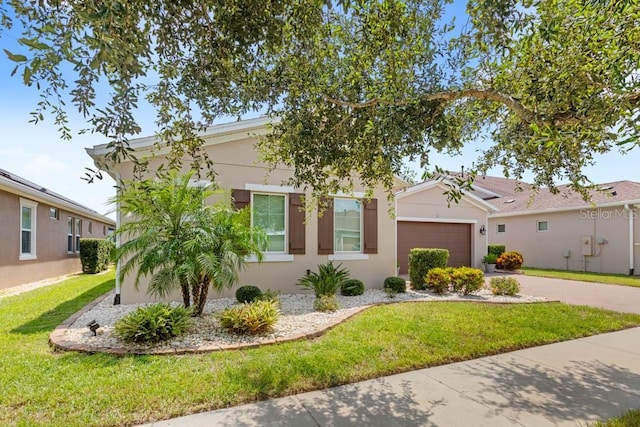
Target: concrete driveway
x=625 y=299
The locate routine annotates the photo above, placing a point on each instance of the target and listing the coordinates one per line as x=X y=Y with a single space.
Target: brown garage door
x=452 y=236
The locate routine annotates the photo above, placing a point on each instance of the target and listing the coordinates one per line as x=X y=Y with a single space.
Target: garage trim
x=449 y=220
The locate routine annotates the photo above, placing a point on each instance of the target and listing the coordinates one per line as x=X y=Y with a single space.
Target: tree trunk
x=200 y=292
x=186 y=300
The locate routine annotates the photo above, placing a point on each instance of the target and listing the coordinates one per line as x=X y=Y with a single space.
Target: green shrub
x=251 y=318
x=439 y=279
x=504 y=286
x=95 y=255
x=269 y=295
x=396 y=284
x=326 y=303
x=327 y=281
x=466 y=280
x=352 y=288
x=510 y=261
x=154 y=323
x=490 y=258
x=421 y=260
x=497 y=250
x=247 y=293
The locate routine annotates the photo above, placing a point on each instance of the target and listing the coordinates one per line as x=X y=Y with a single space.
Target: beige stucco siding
x=430 y=205
x=52 y=258
x=546 y=249
x=236 y=167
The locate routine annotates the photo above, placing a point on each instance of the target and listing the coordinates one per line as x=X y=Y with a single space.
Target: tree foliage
x=354 y=86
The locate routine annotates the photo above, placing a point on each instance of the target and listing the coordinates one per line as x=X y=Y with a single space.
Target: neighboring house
x=41 y=231
x=426 y=220
x=562 y=231
x=354 y=232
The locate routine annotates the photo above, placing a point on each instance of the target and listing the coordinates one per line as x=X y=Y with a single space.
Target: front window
x=543 y=226
x=347 y=225
x=268 y=212
x=502 y=228
x=69 y=234
x=27 y=229
x=78 y=233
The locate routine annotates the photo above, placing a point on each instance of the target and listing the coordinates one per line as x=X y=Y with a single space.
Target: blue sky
x=37 y=153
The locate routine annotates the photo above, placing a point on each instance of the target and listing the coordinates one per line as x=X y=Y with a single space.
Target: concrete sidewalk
x=569 y=383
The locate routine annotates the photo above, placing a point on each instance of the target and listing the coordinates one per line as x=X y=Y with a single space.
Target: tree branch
x=488 y=94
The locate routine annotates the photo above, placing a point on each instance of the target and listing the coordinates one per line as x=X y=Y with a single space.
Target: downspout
x=631 y=244
x=116 y=299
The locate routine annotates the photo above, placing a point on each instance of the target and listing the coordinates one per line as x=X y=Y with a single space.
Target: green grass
x=40 y=387
x=628 y=419
x=611 y=279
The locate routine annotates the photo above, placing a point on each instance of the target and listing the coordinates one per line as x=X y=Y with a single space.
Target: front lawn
x=41 y=387
x=628 y=419
x=612 y=279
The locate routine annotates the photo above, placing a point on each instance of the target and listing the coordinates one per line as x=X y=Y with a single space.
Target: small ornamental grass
x=327 y=281
x=252 y=318
x=248 y=293
x=326 y=303
x=352 y=288
x=154 y=323
x=504 y=286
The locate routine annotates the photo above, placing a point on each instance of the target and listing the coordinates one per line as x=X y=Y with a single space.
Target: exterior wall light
x=483 y=230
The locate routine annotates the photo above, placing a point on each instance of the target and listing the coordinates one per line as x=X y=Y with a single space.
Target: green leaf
x=15 y=57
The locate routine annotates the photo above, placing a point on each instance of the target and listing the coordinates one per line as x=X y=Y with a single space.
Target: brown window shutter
x=296 y=224
x=325 y=230
x=240 y=198
x=370 y=226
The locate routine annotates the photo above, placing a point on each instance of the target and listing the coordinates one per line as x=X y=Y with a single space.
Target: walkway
x=625 y=299
x=564 y=384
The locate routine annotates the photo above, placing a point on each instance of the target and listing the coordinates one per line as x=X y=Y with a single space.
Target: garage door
x=452 y=236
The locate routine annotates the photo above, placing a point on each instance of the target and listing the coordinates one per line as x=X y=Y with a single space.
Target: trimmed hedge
x=395 y=284
x=497 y=250
x=352 y=288
x=248 y=293
x=95 y=255
x=421 y=260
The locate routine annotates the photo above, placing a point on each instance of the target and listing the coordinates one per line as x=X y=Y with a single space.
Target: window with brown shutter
x=325 y=230
x=370 y=225
x=296 y=224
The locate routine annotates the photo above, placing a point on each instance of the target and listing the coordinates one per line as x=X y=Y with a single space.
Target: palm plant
x=177 y=240
x=327 y=281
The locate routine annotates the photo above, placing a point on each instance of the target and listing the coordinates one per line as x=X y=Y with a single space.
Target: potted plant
x=489 y=262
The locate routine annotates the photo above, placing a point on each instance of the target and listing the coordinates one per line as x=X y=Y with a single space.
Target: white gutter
x=564 y=209
x=630 y=212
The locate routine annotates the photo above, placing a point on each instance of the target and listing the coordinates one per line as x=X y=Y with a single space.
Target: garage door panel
x=455 y=237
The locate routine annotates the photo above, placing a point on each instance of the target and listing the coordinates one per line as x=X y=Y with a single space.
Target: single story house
x=562 y=231
x=41 y=231
x=355 y=232
x=425 y=219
